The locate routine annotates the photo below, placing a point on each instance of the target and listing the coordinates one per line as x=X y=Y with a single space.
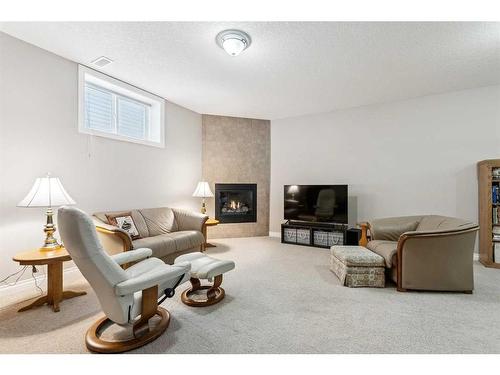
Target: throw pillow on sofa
x=124 y=221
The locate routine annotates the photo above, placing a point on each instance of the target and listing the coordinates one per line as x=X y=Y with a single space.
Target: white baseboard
x=26 y=289
x=475 y=256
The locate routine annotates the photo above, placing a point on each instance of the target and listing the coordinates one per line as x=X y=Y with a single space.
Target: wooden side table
x=363 y=241
x=54 y=260
x=208 y=223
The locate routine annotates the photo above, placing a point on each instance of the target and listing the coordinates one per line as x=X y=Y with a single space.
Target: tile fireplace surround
x=237 y=151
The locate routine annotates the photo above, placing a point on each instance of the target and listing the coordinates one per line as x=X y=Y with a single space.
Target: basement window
x=108 y=107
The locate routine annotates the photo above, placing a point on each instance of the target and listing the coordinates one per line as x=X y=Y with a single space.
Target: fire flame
x=235 y=205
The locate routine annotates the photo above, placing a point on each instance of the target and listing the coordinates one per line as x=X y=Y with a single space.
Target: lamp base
x=51 y=247
x=203 y=208
x=50 y=243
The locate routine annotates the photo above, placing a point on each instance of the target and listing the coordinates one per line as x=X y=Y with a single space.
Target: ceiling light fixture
x=233 y=41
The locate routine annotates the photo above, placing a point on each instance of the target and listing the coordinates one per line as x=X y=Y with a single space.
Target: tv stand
x=314 y=234
x=314 y=224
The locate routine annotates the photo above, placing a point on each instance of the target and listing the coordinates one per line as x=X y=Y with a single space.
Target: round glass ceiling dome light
x=233 y=41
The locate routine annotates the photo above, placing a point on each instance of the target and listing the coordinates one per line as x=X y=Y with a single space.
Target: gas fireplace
x=236 y=203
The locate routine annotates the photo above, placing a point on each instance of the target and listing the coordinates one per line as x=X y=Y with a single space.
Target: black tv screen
x=316 y=203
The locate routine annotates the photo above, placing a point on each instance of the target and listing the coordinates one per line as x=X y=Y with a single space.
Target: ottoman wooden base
x=204 y=267
x=215 y=293
x=357 y=267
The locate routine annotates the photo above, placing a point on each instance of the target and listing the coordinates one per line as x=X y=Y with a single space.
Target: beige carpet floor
x=283 y=299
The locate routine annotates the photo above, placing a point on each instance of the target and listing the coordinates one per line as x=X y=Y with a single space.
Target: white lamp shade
x=203 y=190
x=293 y=189
x=46 y=192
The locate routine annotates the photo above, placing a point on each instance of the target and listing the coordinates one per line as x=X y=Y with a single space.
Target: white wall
x=38 y=133
x=406 y=158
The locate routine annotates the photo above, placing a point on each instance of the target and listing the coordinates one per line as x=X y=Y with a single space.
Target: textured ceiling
x=291 y=68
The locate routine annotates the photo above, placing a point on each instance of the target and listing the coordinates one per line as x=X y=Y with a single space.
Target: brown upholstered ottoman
x=356 y=266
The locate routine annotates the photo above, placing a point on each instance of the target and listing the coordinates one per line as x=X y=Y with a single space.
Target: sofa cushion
x=159 y=220
x=187 y=239
x=437 y=222
x=169 y=243
x=161 y=245
x=387 y=249
x=139 y=222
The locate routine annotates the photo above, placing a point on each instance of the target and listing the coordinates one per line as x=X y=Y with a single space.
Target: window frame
x=120 y=89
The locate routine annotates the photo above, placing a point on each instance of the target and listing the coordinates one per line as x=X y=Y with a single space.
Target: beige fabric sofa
x=169 y=232
x=429 y=252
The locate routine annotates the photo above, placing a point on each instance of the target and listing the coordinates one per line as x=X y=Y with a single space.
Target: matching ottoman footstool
x=356 y=266
x=205 y=268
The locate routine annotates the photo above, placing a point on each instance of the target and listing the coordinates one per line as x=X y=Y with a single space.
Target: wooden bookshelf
x=486 y=182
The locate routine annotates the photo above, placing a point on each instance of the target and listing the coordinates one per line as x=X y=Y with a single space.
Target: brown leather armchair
x=425 y=252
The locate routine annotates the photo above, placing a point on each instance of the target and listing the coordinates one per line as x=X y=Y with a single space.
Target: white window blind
x=113 y=109
x=132 y=118
x=99 y=109
x=112 y=113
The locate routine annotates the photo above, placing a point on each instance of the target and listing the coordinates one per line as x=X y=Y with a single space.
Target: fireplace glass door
x=236 y=203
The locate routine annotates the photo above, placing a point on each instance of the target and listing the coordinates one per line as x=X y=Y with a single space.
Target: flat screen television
x=316 y=203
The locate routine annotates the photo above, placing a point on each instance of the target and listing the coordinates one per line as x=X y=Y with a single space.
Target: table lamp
x=47 y=192
x=203 y=191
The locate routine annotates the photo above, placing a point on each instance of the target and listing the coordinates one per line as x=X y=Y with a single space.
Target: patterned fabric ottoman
x=357 y=266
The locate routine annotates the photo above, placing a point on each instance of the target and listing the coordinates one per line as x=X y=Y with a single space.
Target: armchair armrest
x=114 y=239
x=188 y=220
x=132 y=256
x=437 y=259
x=149 y=279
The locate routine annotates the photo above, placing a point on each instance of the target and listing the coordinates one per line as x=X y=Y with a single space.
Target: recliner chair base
x=94 y=342
x=214 y=293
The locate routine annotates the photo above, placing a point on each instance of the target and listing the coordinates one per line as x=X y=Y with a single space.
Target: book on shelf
x=496 y=230
x=496 y=252
x=495 y=172
x=494 y=194
x=494 y=215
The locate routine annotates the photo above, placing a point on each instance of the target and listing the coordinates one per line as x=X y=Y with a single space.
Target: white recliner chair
x=128 y=297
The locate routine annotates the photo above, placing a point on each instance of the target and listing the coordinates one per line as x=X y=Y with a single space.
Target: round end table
x=209 y=223
x=53 y=259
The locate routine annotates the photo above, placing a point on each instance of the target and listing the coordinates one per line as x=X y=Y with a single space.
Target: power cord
x=21 y=271
x=20 y=274
x=33 y=271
